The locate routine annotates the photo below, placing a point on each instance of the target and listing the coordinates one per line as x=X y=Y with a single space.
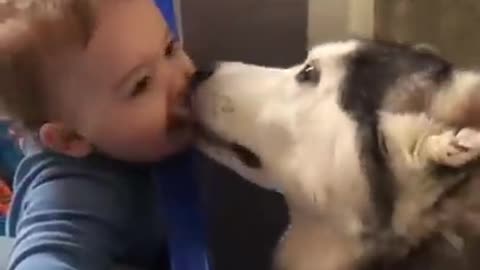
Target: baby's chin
x=180 y=132
x=179 y=139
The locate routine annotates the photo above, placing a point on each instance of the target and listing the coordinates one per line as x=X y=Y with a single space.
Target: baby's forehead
x=10 y=30
x=111 y=54
x=42 y=16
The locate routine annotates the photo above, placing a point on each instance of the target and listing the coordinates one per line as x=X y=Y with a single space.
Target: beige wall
x=339 y=19
x=453 y=26
x=327 y=20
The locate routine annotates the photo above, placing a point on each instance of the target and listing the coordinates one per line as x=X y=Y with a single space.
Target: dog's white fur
x=308 y=148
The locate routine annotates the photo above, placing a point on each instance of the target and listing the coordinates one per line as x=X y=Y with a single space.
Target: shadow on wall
x=245 y=221
x=451 y=26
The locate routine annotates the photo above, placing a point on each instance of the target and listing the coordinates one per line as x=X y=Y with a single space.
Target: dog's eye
x=309 y=74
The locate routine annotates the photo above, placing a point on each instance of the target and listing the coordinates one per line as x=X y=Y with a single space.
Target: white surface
x=5 y=247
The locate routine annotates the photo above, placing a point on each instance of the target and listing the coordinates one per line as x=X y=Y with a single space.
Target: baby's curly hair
x=32 y=31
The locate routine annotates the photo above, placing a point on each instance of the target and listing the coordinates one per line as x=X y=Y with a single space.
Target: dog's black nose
x=203 y=73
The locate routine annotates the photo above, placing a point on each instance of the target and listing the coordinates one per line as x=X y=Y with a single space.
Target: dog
x=374 y=146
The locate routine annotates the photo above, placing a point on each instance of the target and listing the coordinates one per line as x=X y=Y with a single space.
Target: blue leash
x=186 y=234
x=179 y=191
x=168 y=10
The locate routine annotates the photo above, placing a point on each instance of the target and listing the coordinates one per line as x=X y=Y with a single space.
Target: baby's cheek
x=133 y=148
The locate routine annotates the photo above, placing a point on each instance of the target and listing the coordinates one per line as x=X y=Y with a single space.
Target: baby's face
x=125 y=93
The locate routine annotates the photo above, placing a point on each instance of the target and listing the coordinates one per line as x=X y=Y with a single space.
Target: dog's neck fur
x=320 y=242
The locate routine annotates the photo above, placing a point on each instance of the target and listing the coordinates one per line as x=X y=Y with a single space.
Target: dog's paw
x=454 y=149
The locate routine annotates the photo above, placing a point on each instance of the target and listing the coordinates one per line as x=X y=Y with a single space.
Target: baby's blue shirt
x=85 y=214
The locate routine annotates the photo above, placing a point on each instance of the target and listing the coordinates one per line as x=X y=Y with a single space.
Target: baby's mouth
x=181 y=121
x=180 y=125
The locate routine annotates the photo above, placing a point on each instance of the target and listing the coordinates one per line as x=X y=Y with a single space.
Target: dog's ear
x=426 y=47
x=457 y=102
x=431 y=63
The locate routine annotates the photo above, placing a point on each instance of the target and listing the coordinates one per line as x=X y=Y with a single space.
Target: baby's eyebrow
x=167 y=38
x=128 y=75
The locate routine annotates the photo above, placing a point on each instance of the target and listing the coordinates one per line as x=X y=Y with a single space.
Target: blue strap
x=186 y=234
x=168 y=10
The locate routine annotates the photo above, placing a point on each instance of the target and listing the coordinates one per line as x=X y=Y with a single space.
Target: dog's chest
x=314 y=245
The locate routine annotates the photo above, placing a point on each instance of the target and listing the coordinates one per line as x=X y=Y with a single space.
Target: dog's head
x=272 y=124
x=311 y=131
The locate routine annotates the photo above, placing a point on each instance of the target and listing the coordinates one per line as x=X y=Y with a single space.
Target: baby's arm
x=67 y=219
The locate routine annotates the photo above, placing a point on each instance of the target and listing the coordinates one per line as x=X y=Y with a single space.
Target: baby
x=100 y=87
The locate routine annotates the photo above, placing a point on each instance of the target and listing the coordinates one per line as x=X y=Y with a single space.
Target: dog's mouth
x=243 y=153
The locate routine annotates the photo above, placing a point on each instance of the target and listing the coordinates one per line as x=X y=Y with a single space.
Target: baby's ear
x=56 y=137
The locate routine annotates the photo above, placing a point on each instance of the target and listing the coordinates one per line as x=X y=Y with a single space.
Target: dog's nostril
x=204 y=72
x=202 y=75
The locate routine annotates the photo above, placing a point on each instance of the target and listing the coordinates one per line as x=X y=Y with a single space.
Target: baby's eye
x=141 y=86
x=171 y=48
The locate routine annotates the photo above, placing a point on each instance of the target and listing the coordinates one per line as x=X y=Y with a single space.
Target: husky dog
x=374 y=146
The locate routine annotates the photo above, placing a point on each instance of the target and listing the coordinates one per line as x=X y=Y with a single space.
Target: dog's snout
x=202 y=74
